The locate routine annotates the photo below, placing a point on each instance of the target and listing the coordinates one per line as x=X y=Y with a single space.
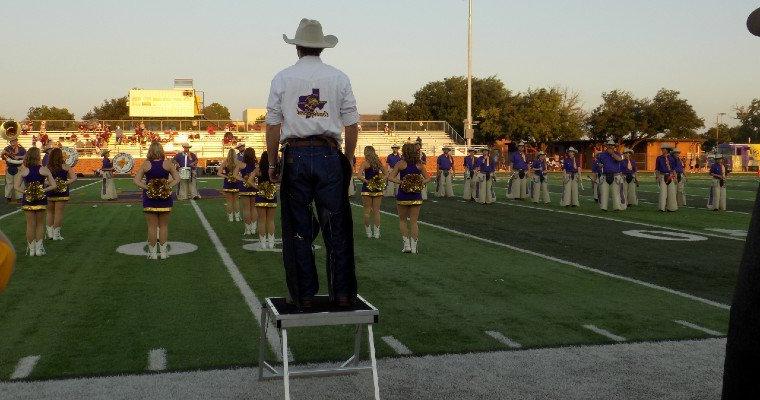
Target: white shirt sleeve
x=274 y=103
x=348 y=112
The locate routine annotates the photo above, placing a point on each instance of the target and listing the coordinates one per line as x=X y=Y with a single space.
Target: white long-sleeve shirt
x=311 y=98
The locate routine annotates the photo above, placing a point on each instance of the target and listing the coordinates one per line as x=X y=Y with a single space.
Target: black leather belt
x=313 y=141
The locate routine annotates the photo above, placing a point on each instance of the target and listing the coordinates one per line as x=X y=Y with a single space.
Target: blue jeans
x=319 y=175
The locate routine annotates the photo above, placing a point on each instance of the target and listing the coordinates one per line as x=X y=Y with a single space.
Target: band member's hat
x=572 y=149
x=395 y=146
x=239 y=145
x=521 y=143
x=471 y=150
x=309 y=34
x=187 y=145
x=666 y=146
x=627 y=150
x=541 y=153
x=610 y=143
x=104 y=152
x=676 y=150
x=446 y=148
x=718 y=156
x=485 y=149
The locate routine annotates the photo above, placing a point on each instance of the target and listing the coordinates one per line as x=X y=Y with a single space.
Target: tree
x=111 y=109
x=671 y=117
x=620 y=116
x=216 y=111
x=49 y=113
x=545 y=115
x=749 y=117
x=397 y=110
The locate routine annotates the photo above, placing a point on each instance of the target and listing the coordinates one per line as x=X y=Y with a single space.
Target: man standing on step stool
x=309 y=104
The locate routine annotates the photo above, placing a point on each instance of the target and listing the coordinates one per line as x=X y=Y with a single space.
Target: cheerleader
x=160 y=176
x=412 y=177
x=230 y=169
x=34 y=180
x=108 y=187
x=63 y=176
x=266 y=201
x=247 y=194
x=540 y=186
x=373 y=179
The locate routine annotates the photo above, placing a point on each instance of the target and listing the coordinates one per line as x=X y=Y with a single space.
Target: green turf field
x=535 y=273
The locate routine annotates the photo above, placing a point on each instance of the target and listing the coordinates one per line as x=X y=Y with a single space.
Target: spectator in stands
x=211 y=129
x=43 y=127
x=119 y=135
x=228 y=138
x=386 y=129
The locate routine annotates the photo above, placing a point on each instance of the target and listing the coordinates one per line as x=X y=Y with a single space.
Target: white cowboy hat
x=610 y=143
x=521 y=143
x=627 y=150
x=676 y=150
x=186 y=144
x=309 y=34
x=572 y=149
x=239 y=145
x=395 y=146
x=718 y=156
x=104 y=152
x=541 y=153
x=666 y=146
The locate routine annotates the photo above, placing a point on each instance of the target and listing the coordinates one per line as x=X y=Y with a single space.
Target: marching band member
x=678 y=170
x=630 y=179
x=108 y=186
x=444 y=175
x=13 y=154
x=611 y=180
x=540 y=186
x=717 y=198
x=485 y=170
x=572 y=175
x=266 y=202
x=157 y=177
x=247 y=194
x=373 y=176
x=411 y=176
x=518 y=183
x=63 y=176
x=36 y=181
x=664 y=175
x=423 y=159
x=468 y=192
x=391 y=188
x=240 y=147
x=229 y=170
x=188 y=162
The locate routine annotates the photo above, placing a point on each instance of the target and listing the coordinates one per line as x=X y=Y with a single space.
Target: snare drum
x=185 y=173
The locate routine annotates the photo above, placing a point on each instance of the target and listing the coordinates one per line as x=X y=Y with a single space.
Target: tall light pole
x=717 y=127
x=468 y=133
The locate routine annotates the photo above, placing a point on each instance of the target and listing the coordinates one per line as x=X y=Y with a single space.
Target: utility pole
x=468 y=132
x=717 y=128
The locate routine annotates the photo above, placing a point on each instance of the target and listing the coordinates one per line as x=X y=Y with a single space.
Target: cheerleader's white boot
x=376 y=233
x=270 y=239
x=152 y=250
x=413 y=245
x=407 y=246
x=254 y=227
x=237 y=216
x=231 y=217
x=32 y=248
x=368 y=230
x=163 y=251
x=57 y=234
x=39 y=248
x=263 y=242
x=48 y=232
x=247 y=230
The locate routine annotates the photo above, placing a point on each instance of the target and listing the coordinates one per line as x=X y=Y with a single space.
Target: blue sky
x=77 y=53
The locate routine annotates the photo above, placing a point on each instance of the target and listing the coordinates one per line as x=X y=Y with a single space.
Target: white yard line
x=73 y=190
x=25 y=367
x=605 y=333
x=157 y=360
x=397 y=346
x=250 y=298
x=618 y=220
x=699 y=328
x=571 y=264
x=503 y=339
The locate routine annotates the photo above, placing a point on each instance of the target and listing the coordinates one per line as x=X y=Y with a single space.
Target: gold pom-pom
x=377 y=183
x=61 y=185
x=246 y=182
x=158 y=189
x=412 y=183
x=230 y=178
x=267 y=190
x=34 y=191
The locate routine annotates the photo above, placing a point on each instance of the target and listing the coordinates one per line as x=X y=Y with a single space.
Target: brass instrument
x=10 y=130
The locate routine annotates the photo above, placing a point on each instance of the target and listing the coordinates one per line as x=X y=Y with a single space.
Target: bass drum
x=123 y=163
x=70 y=155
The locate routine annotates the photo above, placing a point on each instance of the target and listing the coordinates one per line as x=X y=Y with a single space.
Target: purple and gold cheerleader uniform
x=61 y=192
x=34 y=192
x=245 y=188
x=158 y=197
x=267 y=194
x=370 y=173
x=409 y=198
x=231 y=184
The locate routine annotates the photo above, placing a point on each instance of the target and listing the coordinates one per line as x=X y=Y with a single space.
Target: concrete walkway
x=662 y=370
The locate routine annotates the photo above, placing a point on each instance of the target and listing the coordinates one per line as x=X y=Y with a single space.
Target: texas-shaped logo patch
x=310 y=103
